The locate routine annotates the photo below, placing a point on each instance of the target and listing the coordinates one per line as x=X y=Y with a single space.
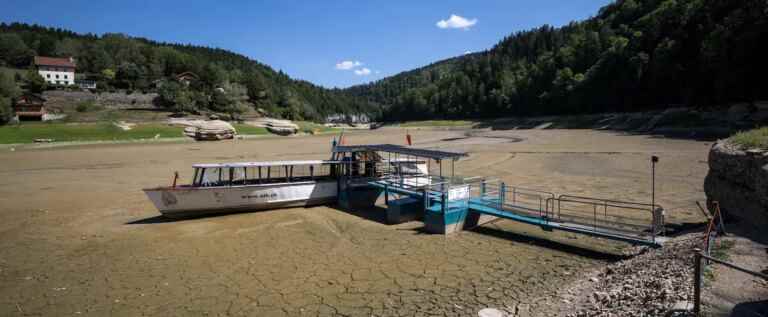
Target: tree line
x=228 y=82
x=634 y=55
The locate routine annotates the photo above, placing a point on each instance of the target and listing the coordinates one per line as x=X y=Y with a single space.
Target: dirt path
x=77 y=235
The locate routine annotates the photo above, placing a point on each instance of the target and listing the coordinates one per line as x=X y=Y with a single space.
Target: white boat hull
x=192 y=201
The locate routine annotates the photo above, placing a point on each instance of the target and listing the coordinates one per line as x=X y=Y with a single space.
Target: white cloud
x=362 y=71
x=347 y=65
x=456 y=22
x=467 y=52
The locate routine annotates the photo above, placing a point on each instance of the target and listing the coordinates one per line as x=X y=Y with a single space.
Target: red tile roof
x=53 y=61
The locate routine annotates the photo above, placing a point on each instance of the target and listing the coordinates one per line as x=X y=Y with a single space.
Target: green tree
x=35 y=82
x=13 y=50
x=8 y=92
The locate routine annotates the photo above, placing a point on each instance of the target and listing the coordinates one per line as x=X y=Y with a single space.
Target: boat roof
x=264 y=164
x=399 y=149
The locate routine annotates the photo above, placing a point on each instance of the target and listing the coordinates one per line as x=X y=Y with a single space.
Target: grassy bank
x=313 y=128
x=245 y=129
x=66 y=132
x=62 y=132
x=757 y=138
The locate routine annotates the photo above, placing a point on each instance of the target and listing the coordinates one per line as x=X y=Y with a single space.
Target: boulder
x=276 y=126
x=738 y=180
x=203 y=130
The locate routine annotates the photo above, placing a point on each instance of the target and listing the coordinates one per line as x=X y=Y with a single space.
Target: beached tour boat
x=252 y=186
x=249 y=186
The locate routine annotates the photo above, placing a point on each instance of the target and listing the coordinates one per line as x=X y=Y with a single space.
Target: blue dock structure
x=414 y=186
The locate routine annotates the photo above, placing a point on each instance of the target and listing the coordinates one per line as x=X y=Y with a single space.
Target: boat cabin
x=271 y=172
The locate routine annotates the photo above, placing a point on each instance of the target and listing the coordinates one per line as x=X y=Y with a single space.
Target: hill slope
x=633 y=55
x=120 y=61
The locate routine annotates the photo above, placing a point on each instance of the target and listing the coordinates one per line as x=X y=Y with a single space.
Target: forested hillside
x=118 y=61
x=633 y=55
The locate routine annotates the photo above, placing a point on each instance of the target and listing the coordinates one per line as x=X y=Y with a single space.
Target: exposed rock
x=206 y=130
x=646 y=285
x=738 y=180
x=276 y=126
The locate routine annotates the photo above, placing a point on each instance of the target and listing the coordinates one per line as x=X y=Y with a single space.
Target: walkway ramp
x=523 y=215
x=635 y=223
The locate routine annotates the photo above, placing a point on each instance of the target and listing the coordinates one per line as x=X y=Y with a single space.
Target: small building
x=186 y=78
x=85 y=83
x=30 y=107
x=56 y=71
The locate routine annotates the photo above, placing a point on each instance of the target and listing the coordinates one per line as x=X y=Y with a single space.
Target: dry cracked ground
x=77 y=236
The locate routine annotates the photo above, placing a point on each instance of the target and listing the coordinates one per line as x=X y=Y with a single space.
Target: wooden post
x=719 y=215
x=175 y=178
x=696 y=282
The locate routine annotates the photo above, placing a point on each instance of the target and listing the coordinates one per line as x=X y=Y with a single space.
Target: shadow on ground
x=511 y=236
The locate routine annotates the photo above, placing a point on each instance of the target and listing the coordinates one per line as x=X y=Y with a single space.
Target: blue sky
x=307 y=39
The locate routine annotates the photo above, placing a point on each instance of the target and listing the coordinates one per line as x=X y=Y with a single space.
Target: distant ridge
x=633 y=55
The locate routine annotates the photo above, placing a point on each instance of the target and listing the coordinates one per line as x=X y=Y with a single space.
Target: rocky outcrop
x=738 y=180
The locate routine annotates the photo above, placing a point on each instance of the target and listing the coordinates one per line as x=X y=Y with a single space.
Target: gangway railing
x=605 y=217
x=620 y=220
x=531 y=202
x=634 y=219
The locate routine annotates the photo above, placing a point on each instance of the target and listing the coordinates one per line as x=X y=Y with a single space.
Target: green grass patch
x=720 y=250
x=245 y=129
x=87 y=106
x=437 y=123
x=62 y=132
x=753 y=139
x=313 y=128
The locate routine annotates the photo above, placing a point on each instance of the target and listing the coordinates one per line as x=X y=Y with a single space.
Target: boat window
x=211 y=176
x=238 y=175
x=233 y=176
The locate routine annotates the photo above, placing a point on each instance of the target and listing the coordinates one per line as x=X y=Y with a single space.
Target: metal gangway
x=632 y=222
x=395 y=169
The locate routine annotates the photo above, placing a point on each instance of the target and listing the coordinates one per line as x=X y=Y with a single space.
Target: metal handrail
x=604 y=204
x=576 y=199
x=698 y=255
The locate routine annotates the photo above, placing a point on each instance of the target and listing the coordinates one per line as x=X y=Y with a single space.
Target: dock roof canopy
x=399 y=149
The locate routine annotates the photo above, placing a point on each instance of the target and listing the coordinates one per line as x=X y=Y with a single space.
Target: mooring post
x=502 y=190
x=386 y=195
x=426 y=199
x=696 y=282
x=442 y=202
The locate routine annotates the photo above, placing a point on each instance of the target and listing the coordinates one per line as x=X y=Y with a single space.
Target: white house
x=56 y=71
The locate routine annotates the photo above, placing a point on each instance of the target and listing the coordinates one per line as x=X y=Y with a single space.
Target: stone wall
x=109 y=100
x=738 y=180
x=120 y=100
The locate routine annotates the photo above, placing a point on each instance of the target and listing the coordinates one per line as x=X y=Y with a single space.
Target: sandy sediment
x=78 y=237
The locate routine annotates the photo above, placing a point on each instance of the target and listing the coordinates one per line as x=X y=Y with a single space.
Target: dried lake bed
x=78 y=237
